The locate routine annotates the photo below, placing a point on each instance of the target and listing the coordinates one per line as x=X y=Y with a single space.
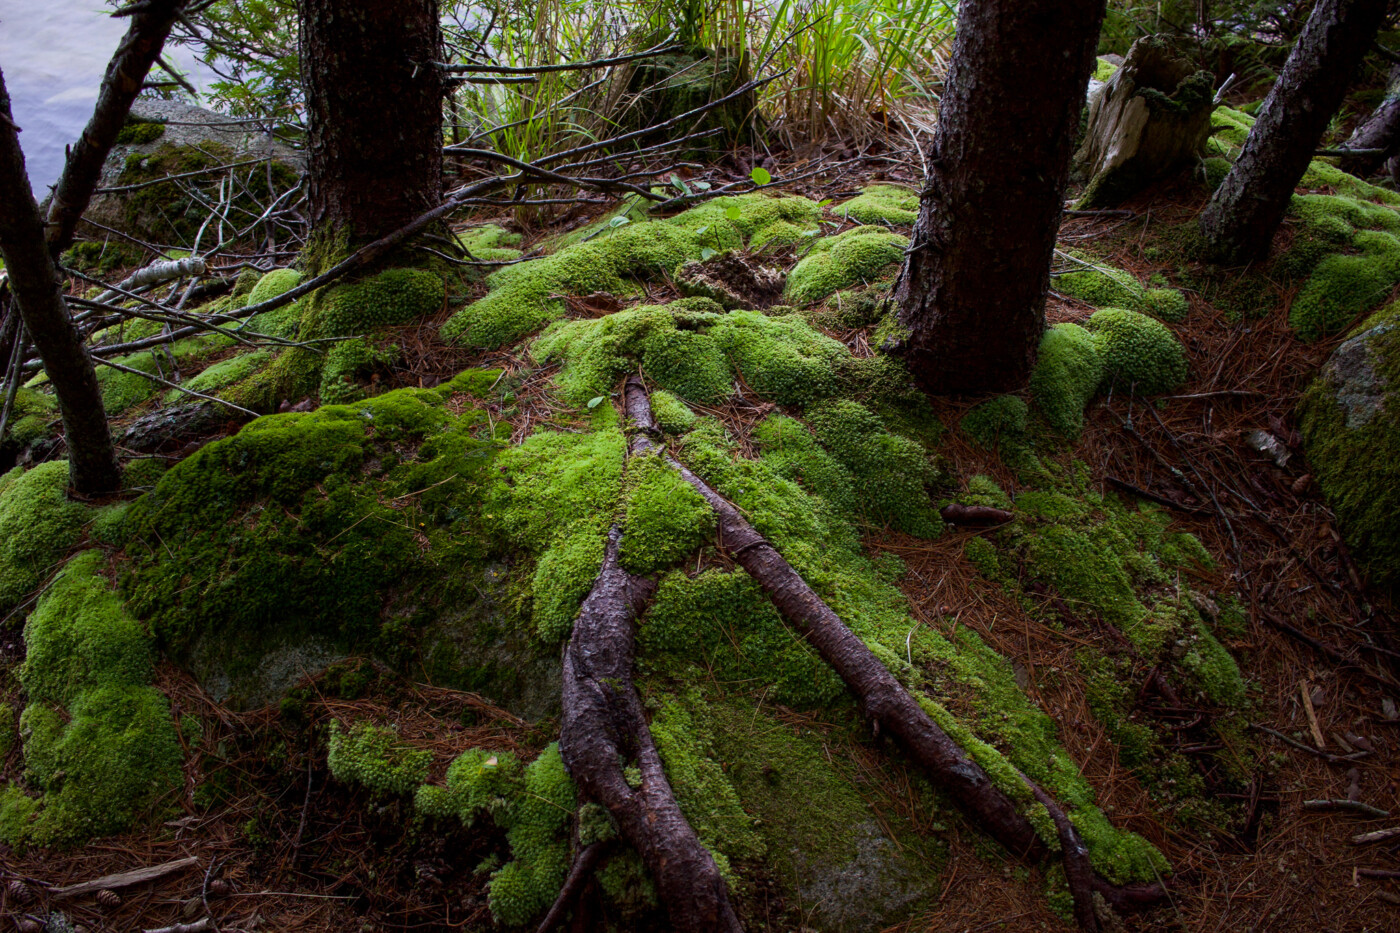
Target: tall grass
x=849 y=67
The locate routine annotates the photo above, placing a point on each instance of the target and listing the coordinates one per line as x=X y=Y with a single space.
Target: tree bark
x=605 y=727
x=972 y=291
x=126 y=73
x=374 y=113
x=1239 y=223
x=38 y=294
x=1380 y=131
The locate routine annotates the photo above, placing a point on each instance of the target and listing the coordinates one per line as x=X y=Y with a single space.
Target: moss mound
x=99 y=742
x=851 y=258
x=1067 y=374
x=526 y=296
x=38 y=524
x=881 y=204
x=1104 y=286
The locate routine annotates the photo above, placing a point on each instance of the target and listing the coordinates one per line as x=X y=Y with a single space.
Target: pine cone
x=108 y=898
x=218 y=887
x=29 y=925
x=20 y=893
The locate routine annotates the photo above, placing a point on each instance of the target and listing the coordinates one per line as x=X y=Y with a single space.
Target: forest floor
x=292 y=850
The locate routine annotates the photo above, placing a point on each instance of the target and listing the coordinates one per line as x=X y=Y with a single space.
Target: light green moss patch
x=998 y=422
x=1138 y=352
x=672 y=414
x=793 y=453
x=30 y=418
x=222 y=375
x=374 y=758
x=526 y=296
x=490 y=243
x=99 y=744
x=881 y=204
x=38 y=524
x=394 y=296
x=1067 y=374
x=1103 y=286
x=665 y=519
x=842 y=261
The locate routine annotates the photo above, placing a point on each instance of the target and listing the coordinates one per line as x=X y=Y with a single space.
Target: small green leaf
x=595 y=402
x=760 y=175
x=619 y=221
x=680 y=183
x=824 y=203
x=811 y=232
x=706 y=253
x=701 y=231
x=702 y=186
x=733 y=213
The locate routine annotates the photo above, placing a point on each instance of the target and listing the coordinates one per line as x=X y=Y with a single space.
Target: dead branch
x=125 y=878
x=478 y=68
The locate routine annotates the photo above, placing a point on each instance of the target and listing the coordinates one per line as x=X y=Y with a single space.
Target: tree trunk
x=1244 y=213
x=92 y=460
x=374 y=101
x=972 y=291
x=1380 y=131
x=1149 y=120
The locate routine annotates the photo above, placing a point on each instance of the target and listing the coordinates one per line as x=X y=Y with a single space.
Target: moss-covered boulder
x=38 y=525
x=1351 y=429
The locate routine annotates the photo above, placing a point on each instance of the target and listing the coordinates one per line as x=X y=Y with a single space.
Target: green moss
x=222 y=375
x=526 y=296
x=392 y=297
x=30 y=418
x=783 y=359
x=347 y=362
x=983 y=490
x=793 y=452
x=1104 y=286
x=139 y=132
x=782 y=233
x=375 y=759
x=723 y=623
x=536 y=825
x=841 y=261
x=1103 y=69
x=1001 y=421
x=1344 y=286
x=890 y=471
x=79 y=637
x=1230 y=127
x=38 y=524
x=1138 y=352
x=665 y=520
x=1067 y=374
x=490 y=243
x=563 y=577
x=881 y=204
x=123 y=390
x=9 y=734
x=672 y=415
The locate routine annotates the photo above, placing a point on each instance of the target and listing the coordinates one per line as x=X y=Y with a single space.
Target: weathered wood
x=1239 y=223
x=972 y=291
x=1149 y=120
x=125 y=879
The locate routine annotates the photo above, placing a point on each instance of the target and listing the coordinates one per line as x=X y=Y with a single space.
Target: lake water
x=53 y=54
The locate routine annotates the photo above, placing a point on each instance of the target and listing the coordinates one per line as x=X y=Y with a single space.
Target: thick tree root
x=587 y=860
x=890 y=707
x=604 y=728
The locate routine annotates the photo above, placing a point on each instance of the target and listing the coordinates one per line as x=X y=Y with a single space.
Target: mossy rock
x=1104 y=286
x=1351 y=431
x=38 y=525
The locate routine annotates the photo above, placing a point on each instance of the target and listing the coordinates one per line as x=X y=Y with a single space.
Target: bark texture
x=38 y=294
x=1149 y=120
x=890 y=708
x=1380 y=131
x=126 y=73
x=1239 y=223
x=605 y=727
x=972 y=291
x=374 y=101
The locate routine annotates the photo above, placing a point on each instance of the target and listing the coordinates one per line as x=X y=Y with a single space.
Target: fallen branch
x=198 y=926
x=1380 y=835
x=125 y=879
x=604 y=727
x=890 y=708
x=1355 y=806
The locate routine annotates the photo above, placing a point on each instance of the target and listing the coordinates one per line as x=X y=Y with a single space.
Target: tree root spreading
x=890 y=707
x=604 y=727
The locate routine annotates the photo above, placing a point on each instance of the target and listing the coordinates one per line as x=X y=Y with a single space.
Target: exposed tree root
x=604 y=728
x=583 y=866
x=888 y=705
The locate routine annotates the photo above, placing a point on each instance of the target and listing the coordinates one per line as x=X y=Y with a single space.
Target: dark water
x=53 y=54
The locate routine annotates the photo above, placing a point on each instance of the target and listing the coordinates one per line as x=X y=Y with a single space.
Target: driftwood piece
x=125 y=878
x=604 y=727
x=890 y=708
x=1151 y=118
